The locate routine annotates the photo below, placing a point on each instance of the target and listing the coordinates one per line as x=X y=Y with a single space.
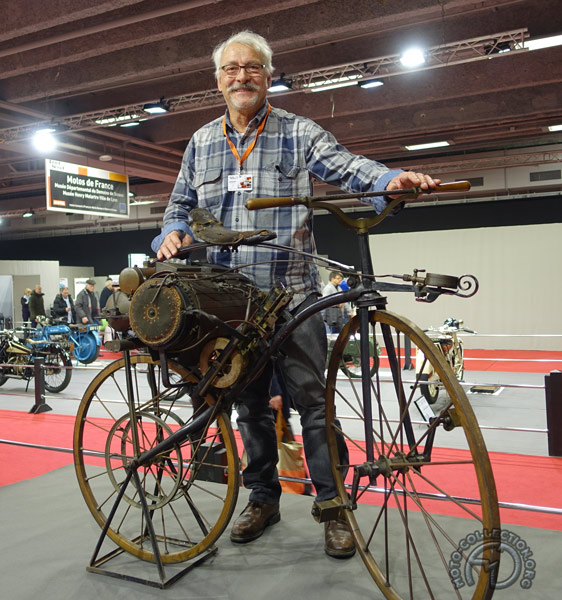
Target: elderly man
x=257 y=150
x=87 y=304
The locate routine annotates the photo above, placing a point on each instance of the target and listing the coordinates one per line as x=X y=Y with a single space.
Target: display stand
x=162 y=582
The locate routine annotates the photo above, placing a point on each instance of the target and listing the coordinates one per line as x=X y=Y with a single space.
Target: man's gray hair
x=247 y=38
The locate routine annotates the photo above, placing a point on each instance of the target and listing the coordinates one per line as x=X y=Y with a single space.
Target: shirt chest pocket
x=208 y=184
x=285 y=179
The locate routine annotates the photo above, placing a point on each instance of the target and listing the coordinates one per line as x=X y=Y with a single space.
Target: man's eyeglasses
x=251 y=69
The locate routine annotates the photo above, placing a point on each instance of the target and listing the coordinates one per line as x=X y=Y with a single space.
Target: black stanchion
x=40 y=405
x=553 y=393
x=408 y=366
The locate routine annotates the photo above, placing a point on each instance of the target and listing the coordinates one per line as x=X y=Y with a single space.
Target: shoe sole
x=340 y=553
x=245 y=539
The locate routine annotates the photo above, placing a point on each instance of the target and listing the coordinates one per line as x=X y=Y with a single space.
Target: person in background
x=25 y=305
x=63 y=306
x=333 y=316
x=36 y=305
x=87 y=304
x=265 y=151
x=106 y=292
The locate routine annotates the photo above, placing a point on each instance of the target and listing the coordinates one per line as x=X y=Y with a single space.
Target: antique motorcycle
x=450 y=346
x=161 y=476
x=17 y=356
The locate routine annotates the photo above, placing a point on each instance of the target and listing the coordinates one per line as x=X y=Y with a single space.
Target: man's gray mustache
x=243 y=86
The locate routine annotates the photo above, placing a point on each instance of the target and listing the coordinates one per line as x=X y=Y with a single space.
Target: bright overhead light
x=142 y=202
x=44 y=140
x=281 y=84
x=28 y=213
x=156 y=108
x=414 y=57
x=555 y=127
x=426 y=146
x=369 y=83
x=332 y=84
x=129 y=124
x=549 y=42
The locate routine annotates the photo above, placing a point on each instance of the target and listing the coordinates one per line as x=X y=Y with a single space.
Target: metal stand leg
x=95 y=565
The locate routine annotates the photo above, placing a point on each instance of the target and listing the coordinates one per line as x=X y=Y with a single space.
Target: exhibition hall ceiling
x=87 y=68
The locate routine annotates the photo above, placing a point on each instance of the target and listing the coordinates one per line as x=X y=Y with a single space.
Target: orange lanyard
x=251 y=147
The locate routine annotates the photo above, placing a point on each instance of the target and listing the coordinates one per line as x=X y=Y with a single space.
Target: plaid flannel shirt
x=289 y=153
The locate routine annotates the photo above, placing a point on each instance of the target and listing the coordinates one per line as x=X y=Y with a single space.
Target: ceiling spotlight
x=130 y=124
x=105 y=157
x=555 y=128
x=28 y=213
x=427 y=145
x=370 y=83
x=414 y=57
x=332 y=84
x=157 y=108
x=281 y=84
x=44 y=140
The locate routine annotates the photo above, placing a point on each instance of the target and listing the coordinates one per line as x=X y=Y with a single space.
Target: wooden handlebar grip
x=257 y=203
x=455 y=186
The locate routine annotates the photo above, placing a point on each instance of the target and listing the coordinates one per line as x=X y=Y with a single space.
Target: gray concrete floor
x=48 y=534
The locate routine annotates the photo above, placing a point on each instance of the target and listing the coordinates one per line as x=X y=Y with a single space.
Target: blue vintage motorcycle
x=82 y=340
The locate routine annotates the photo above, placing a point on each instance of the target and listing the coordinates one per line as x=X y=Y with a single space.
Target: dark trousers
x=303 y=365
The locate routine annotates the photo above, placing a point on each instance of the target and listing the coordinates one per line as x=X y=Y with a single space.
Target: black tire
x=57 y=370
x=430 y=391
x=408 y=493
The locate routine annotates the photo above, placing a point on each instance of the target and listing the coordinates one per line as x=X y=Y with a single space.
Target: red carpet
x=533 y=480
x=524 y=361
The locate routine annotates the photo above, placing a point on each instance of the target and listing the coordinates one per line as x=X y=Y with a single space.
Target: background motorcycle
x=82 y=340
x=17 y=356
x=450 y=345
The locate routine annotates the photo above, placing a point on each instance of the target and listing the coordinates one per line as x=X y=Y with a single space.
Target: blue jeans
x=303 y=362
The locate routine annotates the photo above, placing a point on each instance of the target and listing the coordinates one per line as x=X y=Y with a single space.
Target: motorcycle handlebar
x=259 y=203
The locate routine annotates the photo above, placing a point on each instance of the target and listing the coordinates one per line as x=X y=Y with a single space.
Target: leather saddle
x=209 y=230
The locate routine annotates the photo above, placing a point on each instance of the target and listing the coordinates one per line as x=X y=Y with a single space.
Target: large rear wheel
x=418 y=484
x=190 y=489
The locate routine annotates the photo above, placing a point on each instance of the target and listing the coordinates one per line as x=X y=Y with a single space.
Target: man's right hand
x=172 y=243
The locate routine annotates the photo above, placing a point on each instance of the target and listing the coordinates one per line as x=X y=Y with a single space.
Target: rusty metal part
x=230 y=372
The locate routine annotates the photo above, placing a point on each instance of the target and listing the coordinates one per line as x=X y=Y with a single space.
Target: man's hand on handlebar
x=409 y=179
x=172 y=243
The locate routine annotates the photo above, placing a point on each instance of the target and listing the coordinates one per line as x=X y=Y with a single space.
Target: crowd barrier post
x=408 y=366
x=553 y=393
x=40 y=405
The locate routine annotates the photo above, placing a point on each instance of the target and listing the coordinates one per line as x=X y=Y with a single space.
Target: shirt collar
x=253 y=124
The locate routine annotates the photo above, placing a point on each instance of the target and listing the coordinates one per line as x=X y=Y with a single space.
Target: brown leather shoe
x=339 y=542
x=253 y=520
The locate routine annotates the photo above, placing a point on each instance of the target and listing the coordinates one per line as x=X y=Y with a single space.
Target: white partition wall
x=519 y=270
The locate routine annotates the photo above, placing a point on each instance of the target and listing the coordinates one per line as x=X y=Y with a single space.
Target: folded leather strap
x=209 y=230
